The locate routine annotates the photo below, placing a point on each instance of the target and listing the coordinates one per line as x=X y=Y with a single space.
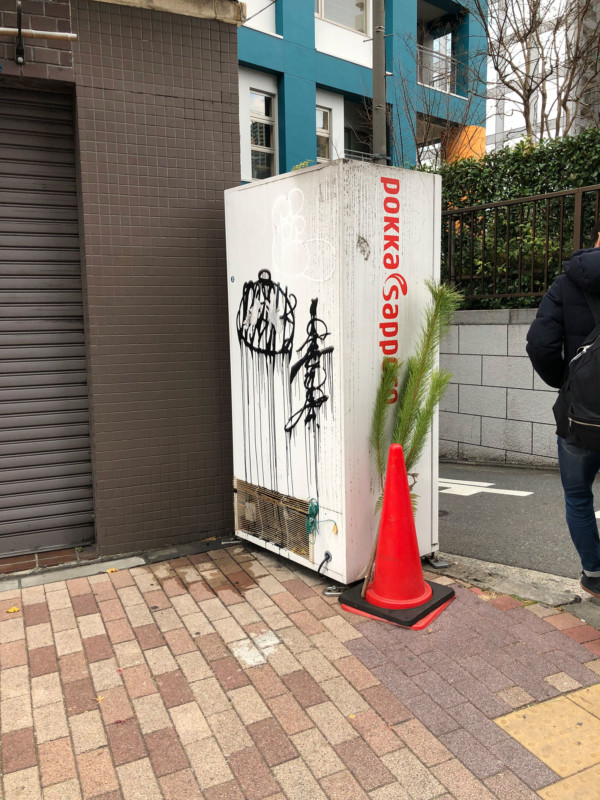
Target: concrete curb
x=77 y=570
x=527 y=584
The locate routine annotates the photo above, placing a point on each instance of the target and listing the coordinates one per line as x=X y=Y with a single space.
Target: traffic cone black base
x=415 y=618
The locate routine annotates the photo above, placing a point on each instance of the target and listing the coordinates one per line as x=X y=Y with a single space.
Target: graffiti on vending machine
x=293 y=254
x=315 y=360
x=265 y=327
x=266 y=322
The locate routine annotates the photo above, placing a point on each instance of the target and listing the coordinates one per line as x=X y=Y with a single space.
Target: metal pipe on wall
x=379 y=93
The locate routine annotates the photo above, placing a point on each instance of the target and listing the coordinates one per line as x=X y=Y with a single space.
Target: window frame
x=272 y=121
x=320 y=14
x=324 y=132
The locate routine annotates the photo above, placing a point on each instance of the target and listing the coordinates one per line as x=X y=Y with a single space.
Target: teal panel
x=300 y=68
x=297 y=100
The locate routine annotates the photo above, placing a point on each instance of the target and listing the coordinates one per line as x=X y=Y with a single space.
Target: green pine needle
x=389 y=376
x=437 y=387
x=422 y=386
x=438 y=317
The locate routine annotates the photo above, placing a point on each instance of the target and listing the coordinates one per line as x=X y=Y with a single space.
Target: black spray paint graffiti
x=315 y=360
x=265 y=327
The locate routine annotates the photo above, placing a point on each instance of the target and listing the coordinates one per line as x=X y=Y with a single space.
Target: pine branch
x=437 y=386
x=421 y=388
x=389 y=376
x=438 y=317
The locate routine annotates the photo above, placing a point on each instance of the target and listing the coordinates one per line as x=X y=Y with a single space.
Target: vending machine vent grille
x=272 y=517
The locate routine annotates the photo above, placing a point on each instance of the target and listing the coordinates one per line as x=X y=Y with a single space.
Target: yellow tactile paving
x=589 y=699
x=559 y=732
x=583 y=786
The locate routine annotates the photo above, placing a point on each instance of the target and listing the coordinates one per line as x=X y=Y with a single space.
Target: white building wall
x=262 y=82
x=335 y=102
x=265 y=16
x=335 y=40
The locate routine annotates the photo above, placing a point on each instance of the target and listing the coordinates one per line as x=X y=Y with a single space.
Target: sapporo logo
x=394 y=284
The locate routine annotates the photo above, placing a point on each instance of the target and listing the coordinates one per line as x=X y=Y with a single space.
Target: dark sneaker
x=591 y=585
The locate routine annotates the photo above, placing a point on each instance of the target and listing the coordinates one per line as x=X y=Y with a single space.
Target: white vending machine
x=326 y=272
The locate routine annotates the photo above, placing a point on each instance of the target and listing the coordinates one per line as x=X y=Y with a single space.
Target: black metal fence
x=506 y=254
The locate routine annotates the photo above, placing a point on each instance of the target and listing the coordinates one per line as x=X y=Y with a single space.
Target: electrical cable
x=313 y=521
x=312 y=525
x=327 y=558
x=272 y=3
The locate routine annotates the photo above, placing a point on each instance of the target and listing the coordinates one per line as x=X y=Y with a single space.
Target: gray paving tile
x=475 y=721
x=431 y=714
x=529 y=768
x=477 y=758
x=438 y=689
x=366 y=652
x=401 y=686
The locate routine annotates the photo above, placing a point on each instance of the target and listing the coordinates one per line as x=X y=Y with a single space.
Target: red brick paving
x=149 y=636
x=272 y=741
x=582 y=633
x=84 y=604
x=166 y=753
x=18 y=750
x=174 y=689
x=125 y=741
x=79 y=697
x=42 y=661
x=425 y=700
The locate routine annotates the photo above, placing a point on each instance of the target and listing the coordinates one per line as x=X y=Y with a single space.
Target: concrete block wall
x=496 y=409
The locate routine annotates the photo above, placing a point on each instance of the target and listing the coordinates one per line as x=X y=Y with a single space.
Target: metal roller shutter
x=45 y=463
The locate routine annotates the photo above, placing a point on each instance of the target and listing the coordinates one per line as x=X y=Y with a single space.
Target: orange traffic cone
x=398 y=592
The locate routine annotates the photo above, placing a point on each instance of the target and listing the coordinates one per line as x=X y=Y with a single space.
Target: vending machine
x=326 y=273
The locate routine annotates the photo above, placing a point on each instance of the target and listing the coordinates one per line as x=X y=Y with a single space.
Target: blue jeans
x=578 y=468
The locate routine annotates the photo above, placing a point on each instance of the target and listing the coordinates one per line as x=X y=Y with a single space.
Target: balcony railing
x=436 y=70
x=358 y=155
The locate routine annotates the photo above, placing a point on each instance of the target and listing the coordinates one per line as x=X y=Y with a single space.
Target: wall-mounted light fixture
x=21 y=33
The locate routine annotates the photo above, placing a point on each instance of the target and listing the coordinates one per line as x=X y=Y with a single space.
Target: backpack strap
x=593 y=301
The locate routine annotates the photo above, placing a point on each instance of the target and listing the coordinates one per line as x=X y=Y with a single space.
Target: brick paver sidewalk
x=228 y=676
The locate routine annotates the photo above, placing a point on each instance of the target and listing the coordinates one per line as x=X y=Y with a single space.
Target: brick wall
x=158 y=141
x=44 y=58
x=496 y=408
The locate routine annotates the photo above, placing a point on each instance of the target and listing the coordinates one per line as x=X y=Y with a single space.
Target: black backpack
x=577 y=408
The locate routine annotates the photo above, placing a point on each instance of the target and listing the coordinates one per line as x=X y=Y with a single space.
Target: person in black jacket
x=563 y=322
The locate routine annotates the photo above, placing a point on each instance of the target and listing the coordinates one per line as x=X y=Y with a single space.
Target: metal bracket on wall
x=19 y=46
x=20 y=34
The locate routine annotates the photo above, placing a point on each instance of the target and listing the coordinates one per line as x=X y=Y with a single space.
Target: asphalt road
x=521 y=531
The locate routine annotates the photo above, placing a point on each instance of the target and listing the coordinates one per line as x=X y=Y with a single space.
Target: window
x=323 y=134
x=262 y=135
x=349 y=13
x=436 y=66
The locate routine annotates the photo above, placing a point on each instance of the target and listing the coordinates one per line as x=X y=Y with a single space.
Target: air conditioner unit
x=326 y=274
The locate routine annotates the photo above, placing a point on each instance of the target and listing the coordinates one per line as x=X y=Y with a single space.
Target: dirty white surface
x=306 y=270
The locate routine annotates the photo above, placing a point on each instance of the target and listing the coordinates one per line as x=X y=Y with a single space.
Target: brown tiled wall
x=158 y=138
x=43 y=58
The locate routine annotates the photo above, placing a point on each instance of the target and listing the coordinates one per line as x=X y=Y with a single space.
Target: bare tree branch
x=545 y=56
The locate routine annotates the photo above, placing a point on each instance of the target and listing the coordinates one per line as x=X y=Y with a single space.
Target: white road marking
x=464 y=483
x=469 y=488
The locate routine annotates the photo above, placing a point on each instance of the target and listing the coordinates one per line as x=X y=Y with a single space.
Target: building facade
x=114 y=391
x=552 y=71
x=306 y=82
